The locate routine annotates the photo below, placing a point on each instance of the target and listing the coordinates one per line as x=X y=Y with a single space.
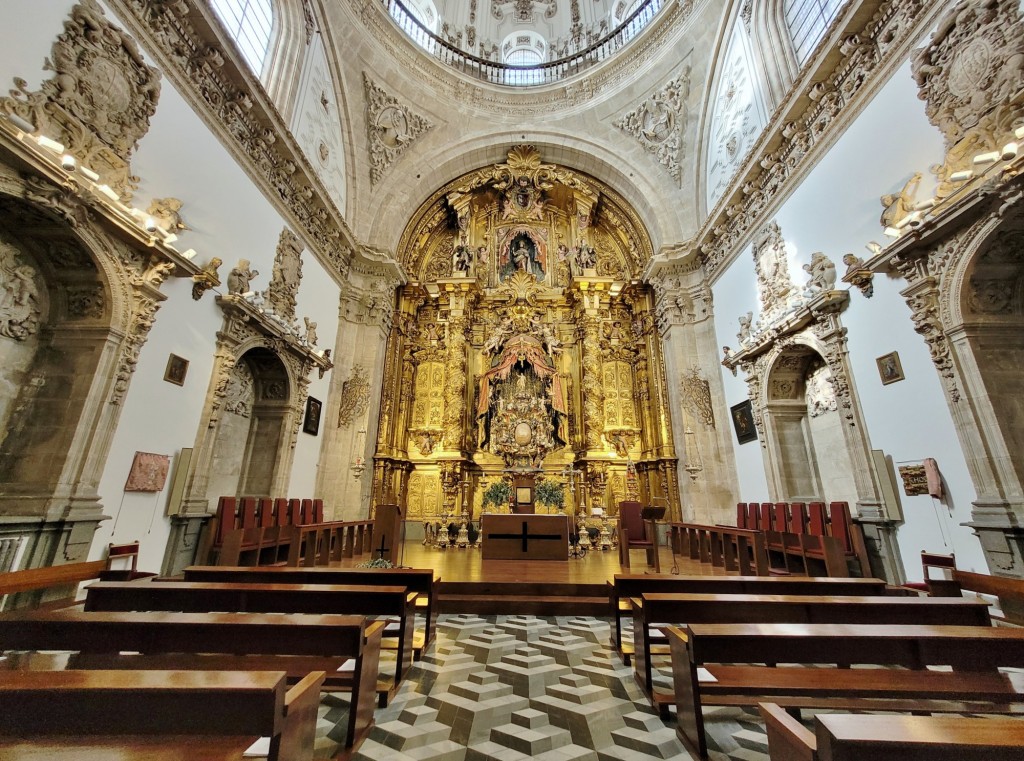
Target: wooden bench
x=728 y=547
x=624 y=587
x=1009 y=591
x=653 y=611
x=155 y=714
x=842 y=737
x=699 y=680
x=423 y=581
x=297 y=644
x=63 y=580
x=207 y=597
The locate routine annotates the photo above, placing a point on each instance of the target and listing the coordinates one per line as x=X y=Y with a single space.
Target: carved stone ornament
x=166 y=212
x=240 y=391
x=799 y=137
x=355 y=396
x=100 y=99
x=19 y=295
x=971 y=73
x=697 y=397
x=859 y=275
x=771 y=263
x=819 y=393
x=282 y=294
x=659 y=121
x=391 y=128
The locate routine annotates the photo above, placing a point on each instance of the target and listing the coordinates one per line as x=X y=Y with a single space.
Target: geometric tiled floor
x=512 y=688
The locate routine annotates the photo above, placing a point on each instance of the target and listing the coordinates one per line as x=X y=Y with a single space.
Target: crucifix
x=382 y=549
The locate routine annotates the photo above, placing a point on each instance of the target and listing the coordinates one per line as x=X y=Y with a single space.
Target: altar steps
x=523 y=598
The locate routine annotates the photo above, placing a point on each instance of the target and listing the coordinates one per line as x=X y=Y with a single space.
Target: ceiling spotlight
x=150 y=225
x=68 y=163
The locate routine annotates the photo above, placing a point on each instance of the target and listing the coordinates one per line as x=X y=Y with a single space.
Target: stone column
x=706 y=475
x=345 y=475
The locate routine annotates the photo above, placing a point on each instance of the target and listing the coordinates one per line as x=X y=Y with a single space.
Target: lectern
x=387 y=533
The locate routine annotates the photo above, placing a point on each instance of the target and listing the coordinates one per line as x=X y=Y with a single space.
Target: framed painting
x=311 y=421
x=889 y=368
x=177 y=369
x=743 y=422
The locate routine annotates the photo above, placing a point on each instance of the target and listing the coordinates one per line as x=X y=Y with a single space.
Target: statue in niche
x=462 y=259
x=521 y=410
x=19 y=296
x=522 y=254
x=586 y=257
x=240 y=277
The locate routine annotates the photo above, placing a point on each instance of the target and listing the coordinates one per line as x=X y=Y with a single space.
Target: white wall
x=836 y=210
x=229 y=218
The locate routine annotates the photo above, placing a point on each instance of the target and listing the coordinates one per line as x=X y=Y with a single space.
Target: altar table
x=525 y=537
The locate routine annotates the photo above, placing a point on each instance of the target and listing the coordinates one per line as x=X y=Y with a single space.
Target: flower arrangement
x=497 y=494
x=550 y=493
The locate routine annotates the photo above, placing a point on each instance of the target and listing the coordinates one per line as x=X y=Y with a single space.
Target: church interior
x=502 y=295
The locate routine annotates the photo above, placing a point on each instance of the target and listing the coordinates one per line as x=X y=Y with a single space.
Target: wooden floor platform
x=470 y=584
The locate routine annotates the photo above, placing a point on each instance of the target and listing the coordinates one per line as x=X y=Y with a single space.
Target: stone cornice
x=851 y=68
x=187 y=44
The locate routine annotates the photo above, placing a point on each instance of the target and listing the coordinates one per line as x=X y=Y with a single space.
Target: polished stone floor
x=511 y=688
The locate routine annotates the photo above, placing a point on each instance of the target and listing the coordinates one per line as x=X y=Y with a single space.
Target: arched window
x=249 y=22
x=808 y=20
x=524 y=49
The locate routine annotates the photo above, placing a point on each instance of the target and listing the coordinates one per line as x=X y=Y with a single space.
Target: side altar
x=525 y=537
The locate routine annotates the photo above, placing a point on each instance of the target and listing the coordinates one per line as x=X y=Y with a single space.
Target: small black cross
x=382 y=549
x=526 y=537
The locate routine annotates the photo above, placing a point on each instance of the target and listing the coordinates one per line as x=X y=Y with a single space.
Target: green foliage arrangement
x=497 y=494
x=377 y=563
x=550 y=493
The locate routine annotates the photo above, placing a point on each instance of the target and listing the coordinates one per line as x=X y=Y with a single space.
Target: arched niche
x=76 y=306
x=804 y=429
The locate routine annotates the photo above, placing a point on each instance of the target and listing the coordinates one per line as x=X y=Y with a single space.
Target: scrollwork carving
x=658 y=122
x=100 y=99
x=697 y=396
x=355 y=396
x=391 y=128
x=19 y=295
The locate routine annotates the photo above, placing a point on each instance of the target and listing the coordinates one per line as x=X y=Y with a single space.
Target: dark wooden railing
x=535 y=75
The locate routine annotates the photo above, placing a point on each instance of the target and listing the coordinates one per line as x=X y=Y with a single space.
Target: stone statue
x=166 y=212
x=744 y=335
x=822 y=272
x=899 y=205
x=240 y=277
x=311 y=336
x=206 y=278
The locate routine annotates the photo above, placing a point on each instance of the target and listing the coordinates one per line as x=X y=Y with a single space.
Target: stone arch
x=245 y=425
x=95 y=300
x=973 y=321
x=773 y=49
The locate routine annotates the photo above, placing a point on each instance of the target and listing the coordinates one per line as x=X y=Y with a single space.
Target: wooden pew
x=206 y=597
x=624 y=587
x=1009 y=591
x=147 y=714
x=298 y=644
x=842 y=737
x=655 y=610
x=701 y=647
x=728 y=547
x=423 y=581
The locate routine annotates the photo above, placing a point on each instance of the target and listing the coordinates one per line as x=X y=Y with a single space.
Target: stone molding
x=808 y=121
x=181 y=35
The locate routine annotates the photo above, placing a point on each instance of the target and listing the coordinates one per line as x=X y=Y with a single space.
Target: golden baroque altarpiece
x=524 y=340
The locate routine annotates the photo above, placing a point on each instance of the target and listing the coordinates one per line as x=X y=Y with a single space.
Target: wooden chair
x=118 y=555
x=636 y=533
x=941 y=587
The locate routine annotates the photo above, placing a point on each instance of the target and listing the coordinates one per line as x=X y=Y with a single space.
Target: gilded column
x=593 y=391
x=455 y=385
